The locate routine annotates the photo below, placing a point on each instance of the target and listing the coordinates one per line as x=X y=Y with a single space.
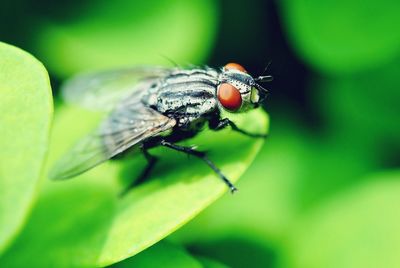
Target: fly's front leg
x=202 y=156
x=223 y=123
x=151 y=161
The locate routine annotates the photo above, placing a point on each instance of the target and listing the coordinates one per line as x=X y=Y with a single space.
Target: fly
x=151 y=107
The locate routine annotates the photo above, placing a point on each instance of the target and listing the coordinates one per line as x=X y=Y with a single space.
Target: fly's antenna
x=266 y=68
x=264 y=79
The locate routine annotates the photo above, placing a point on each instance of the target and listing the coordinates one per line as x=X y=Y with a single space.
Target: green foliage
x=90 y=224
x=343 y=36
x=123 y=32
x=367 y=102
x=322 y=192
x=359 y=228
x=26 y=112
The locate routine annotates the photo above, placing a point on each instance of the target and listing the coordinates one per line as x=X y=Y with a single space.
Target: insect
x=151 y=107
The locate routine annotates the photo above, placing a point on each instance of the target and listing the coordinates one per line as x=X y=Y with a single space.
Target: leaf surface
x=26 y=112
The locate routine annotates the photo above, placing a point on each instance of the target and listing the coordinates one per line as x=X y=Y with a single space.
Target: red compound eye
x=235 y=66
x=229 y=97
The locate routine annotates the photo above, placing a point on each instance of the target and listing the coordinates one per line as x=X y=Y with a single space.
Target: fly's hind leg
x=151 y=161
x=202 y=156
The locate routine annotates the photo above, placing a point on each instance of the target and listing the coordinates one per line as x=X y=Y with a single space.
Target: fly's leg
x=223 y=123
x=203 y=156
x=151 y=161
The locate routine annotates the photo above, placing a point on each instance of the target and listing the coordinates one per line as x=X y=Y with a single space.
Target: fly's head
x=238 y=91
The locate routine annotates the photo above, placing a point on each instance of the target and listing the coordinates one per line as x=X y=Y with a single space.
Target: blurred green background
x=325 y=189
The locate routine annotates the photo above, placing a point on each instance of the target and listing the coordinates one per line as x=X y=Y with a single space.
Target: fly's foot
x=233 y=189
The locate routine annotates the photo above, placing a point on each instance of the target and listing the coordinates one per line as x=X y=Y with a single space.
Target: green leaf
x=358 y=228
x=90 y=225
x=343 y=36
x=162 y=254
x=26 y=112
x=122 y=32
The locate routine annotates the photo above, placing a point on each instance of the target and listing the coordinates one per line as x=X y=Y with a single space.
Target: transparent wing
x=129 y=124
x=103 y=90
